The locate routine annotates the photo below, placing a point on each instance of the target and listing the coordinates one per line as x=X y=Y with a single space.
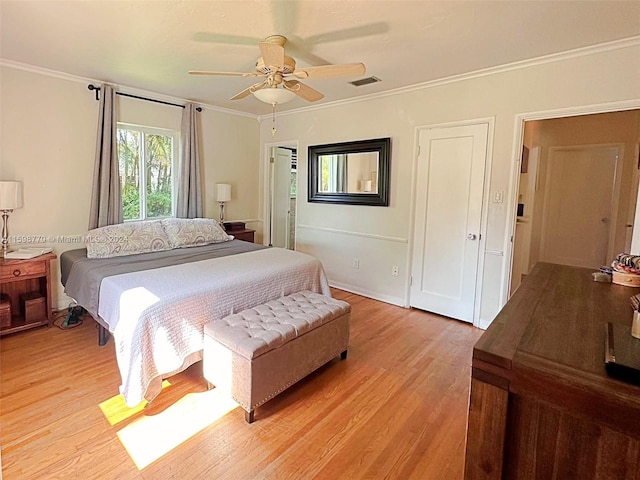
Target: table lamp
x=10 y=199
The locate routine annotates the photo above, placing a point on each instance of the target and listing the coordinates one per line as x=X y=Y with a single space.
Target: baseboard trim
x=369 y=294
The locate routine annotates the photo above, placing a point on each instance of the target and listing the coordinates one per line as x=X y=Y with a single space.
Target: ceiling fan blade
x=303 y=91
x=330 y=71
x=225 y=74
x=248 y=91
x=272 y=54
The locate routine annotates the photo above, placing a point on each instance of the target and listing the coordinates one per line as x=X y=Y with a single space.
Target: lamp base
x=221 y=213
x=5 y=231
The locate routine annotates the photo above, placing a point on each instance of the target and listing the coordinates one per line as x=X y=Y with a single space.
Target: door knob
x=471 y=236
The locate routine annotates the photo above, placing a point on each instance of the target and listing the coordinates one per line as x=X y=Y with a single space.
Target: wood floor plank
x=396 y=408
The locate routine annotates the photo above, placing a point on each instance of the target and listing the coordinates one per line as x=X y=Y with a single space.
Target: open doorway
x=283 y=185
x=577 y=191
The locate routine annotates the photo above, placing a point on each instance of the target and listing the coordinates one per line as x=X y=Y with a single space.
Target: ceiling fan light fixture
x=274 y=95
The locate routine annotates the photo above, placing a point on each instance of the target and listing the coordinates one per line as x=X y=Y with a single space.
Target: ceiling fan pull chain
x=273 y=120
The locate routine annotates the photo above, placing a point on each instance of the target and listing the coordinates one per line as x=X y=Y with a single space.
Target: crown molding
x=545 y=59
x=122 y=88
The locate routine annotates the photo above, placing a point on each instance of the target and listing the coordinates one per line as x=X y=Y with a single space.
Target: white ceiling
x=151 y=45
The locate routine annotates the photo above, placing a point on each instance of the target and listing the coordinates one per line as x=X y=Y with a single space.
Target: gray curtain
x=106 y=198
x=189 y=195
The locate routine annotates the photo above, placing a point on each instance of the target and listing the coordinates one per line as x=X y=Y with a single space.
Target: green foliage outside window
x=159 y=161
x=152 y=154
x=294 y=183
x=129 y=159
x=324 y=173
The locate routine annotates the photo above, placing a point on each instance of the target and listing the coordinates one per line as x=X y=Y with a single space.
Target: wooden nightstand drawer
x=19 y=270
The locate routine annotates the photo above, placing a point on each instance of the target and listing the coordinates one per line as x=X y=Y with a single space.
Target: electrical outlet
x=394 y=270
x=356 y=263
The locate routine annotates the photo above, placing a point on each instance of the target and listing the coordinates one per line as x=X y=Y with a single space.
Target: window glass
x=147 y=159
x=159 y=171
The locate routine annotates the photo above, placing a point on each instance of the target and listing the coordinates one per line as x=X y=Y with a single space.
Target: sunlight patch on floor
x=150 y=437
x=115 y=409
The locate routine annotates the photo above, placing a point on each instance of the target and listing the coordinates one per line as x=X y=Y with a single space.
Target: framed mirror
x=355 y=173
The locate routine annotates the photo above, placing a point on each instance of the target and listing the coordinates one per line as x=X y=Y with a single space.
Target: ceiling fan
x=278 y=69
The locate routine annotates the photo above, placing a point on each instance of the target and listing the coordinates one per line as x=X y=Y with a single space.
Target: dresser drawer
x=22 y=270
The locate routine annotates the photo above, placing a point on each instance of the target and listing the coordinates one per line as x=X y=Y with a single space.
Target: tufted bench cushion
x=259 y=352
x=257 y=330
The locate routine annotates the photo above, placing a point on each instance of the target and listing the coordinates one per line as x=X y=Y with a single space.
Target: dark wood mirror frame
x=380 y=145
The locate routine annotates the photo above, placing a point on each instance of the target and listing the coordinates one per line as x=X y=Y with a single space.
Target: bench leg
x=343 y=355
x=248 y=416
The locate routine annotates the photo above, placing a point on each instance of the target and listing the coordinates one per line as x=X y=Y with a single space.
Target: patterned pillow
x=193 y=232
x=127 y=239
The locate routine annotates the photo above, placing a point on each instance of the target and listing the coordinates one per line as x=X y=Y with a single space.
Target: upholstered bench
x=257 y=353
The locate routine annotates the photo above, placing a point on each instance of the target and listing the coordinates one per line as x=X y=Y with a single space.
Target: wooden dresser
x=542 y=405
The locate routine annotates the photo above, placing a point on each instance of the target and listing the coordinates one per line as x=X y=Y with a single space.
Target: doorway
x=451 y=174
x=577 y=199
x=283 y=169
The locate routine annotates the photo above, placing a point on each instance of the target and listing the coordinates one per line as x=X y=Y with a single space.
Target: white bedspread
x=157 y=317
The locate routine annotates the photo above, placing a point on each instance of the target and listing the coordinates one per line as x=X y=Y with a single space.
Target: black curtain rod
x=97 y=89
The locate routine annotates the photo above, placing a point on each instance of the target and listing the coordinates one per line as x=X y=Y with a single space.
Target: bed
x=156 y=304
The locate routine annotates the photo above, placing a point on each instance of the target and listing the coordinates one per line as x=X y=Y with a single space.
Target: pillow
x=127 y=239
x=193 y=232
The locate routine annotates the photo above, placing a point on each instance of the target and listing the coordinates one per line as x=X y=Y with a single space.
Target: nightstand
x=245 y=234
x=239 y=231
x=25 y=293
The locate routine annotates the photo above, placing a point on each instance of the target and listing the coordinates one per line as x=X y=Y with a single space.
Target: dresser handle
x=16 y=273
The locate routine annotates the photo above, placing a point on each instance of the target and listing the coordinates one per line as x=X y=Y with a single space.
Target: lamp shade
x=223 y=192
x=274 y=95
x=10 y=195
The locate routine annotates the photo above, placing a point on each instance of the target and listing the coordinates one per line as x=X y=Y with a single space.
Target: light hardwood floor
x=396 y=408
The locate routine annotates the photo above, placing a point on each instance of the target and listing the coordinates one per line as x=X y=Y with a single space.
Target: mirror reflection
x=348 y=173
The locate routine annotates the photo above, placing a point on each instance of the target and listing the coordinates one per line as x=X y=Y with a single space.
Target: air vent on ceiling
x=365 y=81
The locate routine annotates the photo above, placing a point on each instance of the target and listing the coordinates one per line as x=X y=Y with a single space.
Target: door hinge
x=411 y=280
x=418 y=151
x=511 y=240
x=272 y=160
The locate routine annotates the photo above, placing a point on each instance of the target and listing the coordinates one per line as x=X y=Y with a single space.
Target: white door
x=579 y=206
x=450 y=183
x=281 y=197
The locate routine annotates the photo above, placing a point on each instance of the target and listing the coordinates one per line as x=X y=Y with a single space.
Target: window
x=333 y=168
x=147 y=158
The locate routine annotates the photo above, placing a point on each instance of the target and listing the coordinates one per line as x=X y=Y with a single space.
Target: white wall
x=47 y=140
x=381 y=237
